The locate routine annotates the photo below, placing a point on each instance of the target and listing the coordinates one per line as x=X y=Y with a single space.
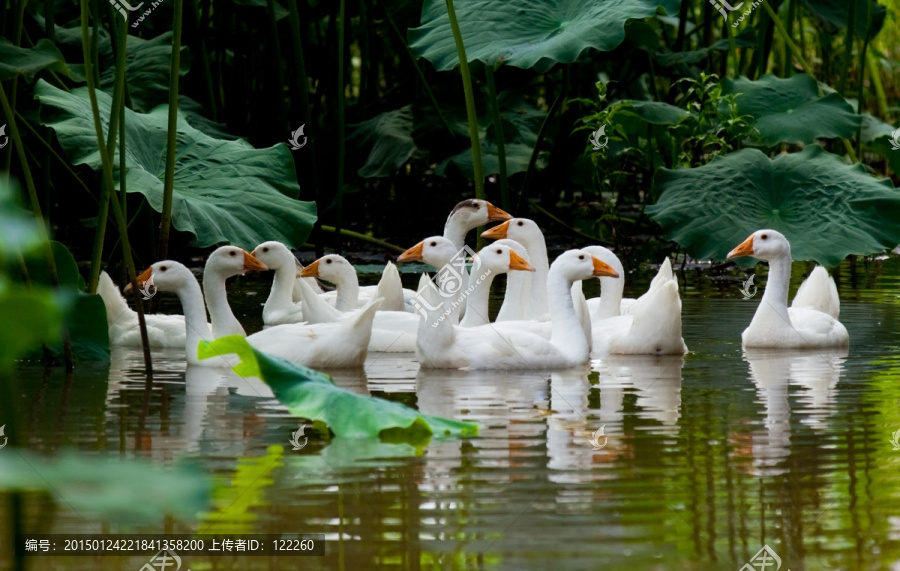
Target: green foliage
x=109 y=489
x=826 y=208
x=791 y=110
x=535 y=34
x=15 y=61
x=312 y=395
x=837 y=12
x=225 y=191
x=389 y=139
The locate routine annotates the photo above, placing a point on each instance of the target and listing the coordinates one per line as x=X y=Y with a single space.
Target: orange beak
x=497 y=232
x=495 y=214
x=414 y=254
x=517 y=262
x=141 y=279
x=251 y=264
x=310 y=271
x=744 y=249
x=601 y=269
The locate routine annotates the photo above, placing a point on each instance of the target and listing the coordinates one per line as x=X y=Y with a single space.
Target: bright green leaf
x=790 y=110
x=225 y=191
x=827 y=209
x=311 y=394
x=534 y=34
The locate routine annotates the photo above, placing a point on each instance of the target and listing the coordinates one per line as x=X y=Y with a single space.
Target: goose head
x=499 y=258
x=228 y=261
x=274 y=255
x=475 y=212
x=521 y=230
x=167 y=275
x=332 y=268
x=436 y=251
x=762 y=244
x=575 y=265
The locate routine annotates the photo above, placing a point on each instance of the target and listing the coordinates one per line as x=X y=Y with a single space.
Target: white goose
x=327 y=345
x=162 y=330
x=611 y=303
x=468 y=215
x=527 y=233
x=811 y=321
x=443 y=345
x=392 y=331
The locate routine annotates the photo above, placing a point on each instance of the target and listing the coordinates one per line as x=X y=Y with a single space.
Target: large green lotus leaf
x=225 y=191
x=657 y=112
x=534 y=34
x=110 y=489
x=313 y=395
x=790 y=110
x=827 y=209
x=30 y=316
x=147 y=64
x=836 y=13
x=15 y=61
x=388 y=138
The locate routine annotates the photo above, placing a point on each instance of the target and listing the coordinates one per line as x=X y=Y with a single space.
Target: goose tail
x=113 y=299
x=819 y=292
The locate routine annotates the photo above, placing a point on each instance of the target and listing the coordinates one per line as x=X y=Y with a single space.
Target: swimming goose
x=527 y=233
x=468 y=215
x=162 y=330
x=811 y=321
x=326 y=345
x=443 y=345
x=349 y=295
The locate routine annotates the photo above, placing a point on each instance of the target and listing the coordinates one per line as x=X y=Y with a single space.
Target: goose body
x=326 y=345
x=163 y=331
x=652 y=326
x=611 y=303
x=440 y=344
x=811 y=322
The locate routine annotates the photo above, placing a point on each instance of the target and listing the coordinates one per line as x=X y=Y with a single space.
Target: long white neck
x=195 y=325
x=611 y=296
x=774 y=300
x=518 y=293
x=347 y=290
x=478 y=300
x=222 y=318
x=456 y=232
x=567 y=334
x=537 y=253
x=282 y=292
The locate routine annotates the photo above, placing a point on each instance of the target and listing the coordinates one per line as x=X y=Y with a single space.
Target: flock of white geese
x=545 y=322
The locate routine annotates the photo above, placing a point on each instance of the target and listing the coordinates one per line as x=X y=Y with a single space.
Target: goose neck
x=456 y=232
x=195 y=325
x=223 y=320
x=477 y=299
x=775 y=296
x=347 y=290
x=281 y=294
x=611 y=290
x=567 y=333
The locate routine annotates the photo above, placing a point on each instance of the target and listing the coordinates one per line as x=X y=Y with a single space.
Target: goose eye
x=521 y=223
x=499 y=251
x=162 y=268
x=232 y=253
x=265 y=249
x=581 y=257
x=327 y=261
x=764 y=237
x=433 y=244
x=475 y=206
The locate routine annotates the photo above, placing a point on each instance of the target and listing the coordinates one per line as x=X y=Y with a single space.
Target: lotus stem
x=848 y=46
x=172 y=135
x=339 y=197
x=471 y=112
x=875 y=78
x=106 y=167
x=532 y=162
x=779 y=25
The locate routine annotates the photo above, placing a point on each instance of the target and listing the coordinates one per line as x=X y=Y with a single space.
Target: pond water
x=706 y=458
